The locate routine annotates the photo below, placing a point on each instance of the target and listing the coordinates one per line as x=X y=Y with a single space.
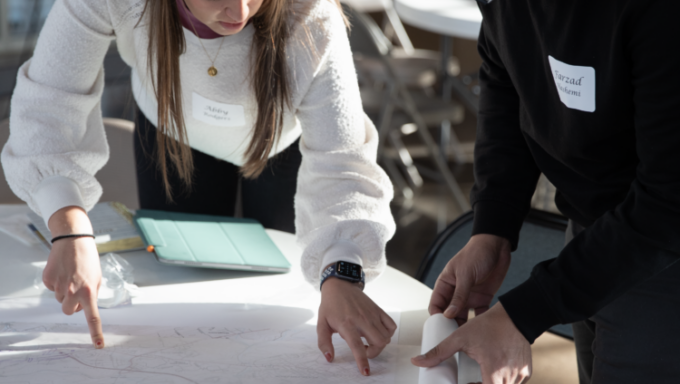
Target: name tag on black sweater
x=575 y=85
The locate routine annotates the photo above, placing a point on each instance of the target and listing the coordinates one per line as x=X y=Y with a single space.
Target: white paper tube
x=458 y=369
x=436 y=329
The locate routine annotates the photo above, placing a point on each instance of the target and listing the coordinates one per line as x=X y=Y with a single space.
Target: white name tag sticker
x=214 y=113
x=575 y=85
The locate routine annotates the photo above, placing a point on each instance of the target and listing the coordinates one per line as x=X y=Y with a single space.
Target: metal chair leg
x=416 y=181
x=399 y=30
x=434 y=150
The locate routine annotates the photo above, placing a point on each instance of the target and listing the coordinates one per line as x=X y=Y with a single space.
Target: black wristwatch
x=345 y=271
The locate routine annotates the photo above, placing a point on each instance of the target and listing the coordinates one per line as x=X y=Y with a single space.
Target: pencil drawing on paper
x=44 y=353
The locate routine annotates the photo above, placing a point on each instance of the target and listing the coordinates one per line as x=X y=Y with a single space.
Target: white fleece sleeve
x=57 y=141
x=343 y=196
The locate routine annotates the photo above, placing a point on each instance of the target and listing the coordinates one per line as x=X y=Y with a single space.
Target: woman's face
x=225 y=17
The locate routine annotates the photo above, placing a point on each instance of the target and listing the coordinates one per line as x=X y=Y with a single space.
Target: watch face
x=352 y=271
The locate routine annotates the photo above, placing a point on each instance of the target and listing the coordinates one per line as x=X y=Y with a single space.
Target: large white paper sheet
x=42 y=353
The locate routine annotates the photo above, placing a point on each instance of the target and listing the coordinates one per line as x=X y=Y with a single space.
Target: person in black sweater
x=587 y=93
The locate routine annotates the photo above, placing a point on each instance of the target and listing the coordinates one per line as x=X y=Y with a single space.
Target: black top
x=615 y=159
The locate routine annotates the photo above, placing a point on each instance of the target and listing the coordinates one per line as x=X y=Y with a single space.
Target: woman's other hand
x=73 y=271
x=347 y=310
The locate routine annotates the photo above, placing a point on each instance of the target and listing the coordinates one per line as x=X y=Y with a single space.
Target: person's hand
x=345 y=309
x=471 y=278
x=491 y=339
x=73 y=271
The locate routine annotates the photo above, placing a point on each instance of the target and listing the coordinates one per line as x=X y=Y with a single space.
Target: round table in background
x=454 y=18
x=368 y=5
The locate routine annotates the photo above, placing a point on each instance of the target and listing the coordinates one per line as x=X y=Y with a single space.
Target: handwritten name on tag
x=575 y=85
x=214 y=113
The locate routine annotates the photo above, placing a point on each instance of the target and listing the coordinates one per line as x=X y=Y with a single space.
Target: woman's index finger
x=353 y=339
x=94 y=322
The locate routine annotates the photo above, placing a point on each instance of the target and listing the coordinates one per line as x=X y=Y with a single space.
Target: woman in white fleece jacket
x=259 y=90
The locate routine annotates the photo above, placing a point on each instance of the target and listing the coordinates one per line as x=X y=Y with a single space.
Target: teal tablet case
x=209 y=241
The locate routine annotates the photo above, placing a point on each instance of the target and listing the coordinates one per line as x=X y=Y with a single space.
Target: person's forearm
x=69 y=220
x=505 y=170
x=73 y=271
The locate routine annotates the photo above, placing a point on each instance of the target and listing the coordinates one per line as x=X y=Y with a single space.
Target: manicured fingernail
x=450 y=310
x=329 y=358
x=366 y=372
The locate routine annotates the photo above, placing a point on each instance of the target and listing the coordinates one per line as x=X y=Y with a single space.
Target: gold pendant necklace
x=212 y=71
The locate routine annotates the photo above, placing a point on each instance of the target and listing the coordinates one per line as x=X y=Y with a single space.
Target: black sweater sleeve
x=639 y=238
x=505 y=171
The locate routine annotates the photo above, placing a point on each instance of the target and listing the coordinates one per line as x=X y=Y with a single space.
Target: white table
x=456 y=18
x=178 y=296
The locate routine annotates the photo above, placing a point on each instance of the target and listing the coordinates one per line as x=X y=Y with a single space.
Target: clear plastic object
x=117 y=288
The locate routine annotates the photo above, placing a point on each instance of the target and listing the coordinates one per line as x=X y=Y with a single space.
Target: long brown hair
x=269 y=82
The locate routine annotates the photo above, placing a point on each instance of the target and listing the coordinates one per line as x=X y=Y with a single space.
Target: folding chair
x=392 y=25
x=541 y=238
x=398 y=105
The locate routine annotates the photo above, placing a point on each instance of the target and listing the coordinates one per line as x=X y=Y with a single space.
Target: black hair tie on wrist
x=73 y=235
